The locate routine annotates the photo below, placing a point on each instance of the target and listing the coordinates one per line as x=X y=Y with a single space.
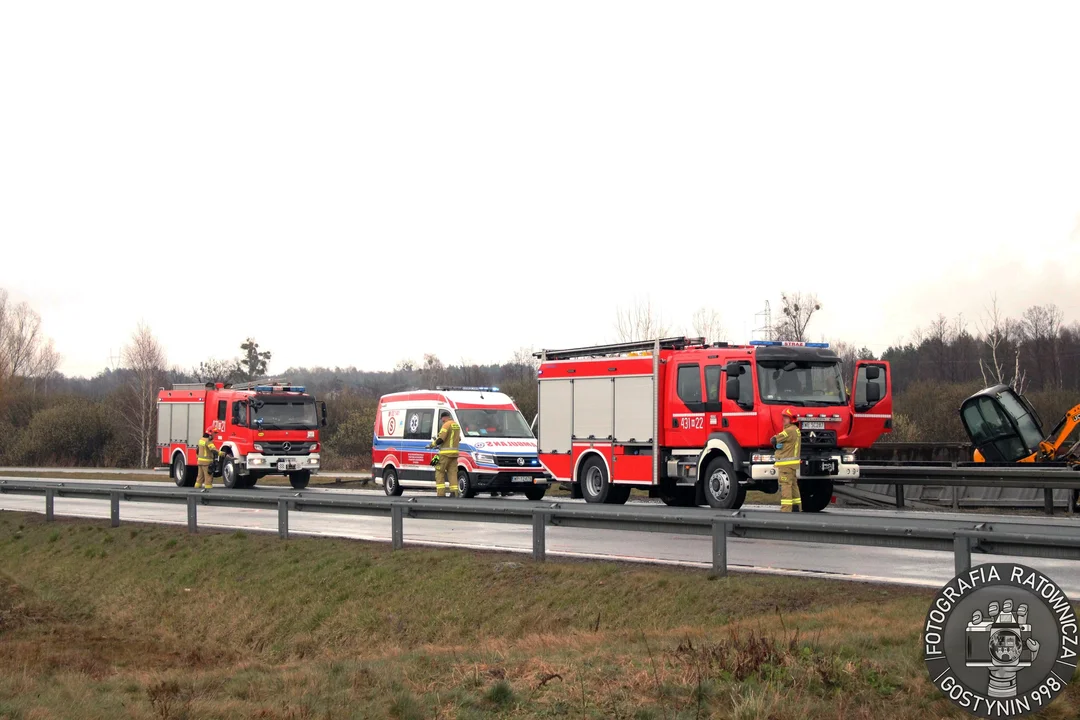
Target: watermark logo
x=1000 y=640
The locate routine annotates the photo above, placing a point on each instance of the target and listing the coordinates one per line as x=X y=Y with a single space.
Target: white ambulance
x=497 y=450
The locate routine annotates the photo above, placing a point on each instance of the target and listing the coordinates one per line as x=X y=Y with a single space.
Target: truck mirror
x=873 y=372
x=731 y=389
x=873 y=393
x=733 y=370
x=323 y=406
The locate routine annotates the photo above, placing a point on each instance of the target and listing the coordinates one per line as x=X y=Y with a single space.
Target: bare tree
x=640 y=322
x=218 y=371
x=522 y=366
x=25 y=352
x=405 y=365
x=707 y=323
x=254 y=362
x=144 y=359
x=1002 y=337
x=797 y=310
x=1041 y=325
x=433 y=370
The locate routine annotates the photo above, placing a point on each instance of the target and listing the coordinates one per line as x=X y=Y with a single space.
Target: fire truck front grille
x=278 y=448
x=819 y=438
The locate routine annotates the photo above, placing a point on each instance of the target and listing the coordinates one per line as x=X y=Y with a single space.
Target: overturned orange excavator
x=1004 y=428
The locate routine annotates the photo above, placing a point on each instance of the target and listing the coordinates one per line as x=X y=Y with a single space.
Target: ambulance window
x=689 y=384
x=222 y=408
x=418 y=424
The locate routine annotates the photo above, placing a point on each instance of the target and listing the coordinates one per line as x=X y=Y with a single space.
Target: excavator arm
x=1050 y=448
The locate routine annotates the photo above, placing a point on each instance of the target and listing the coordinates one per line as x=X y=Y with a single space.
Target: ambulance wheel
x=230 y=475
x=300 y=479
x=390 y=482
x=721 y=485
x=465 y=488
x=183 y=476
x=536 y=492
x=816 y=494
x=595 y=486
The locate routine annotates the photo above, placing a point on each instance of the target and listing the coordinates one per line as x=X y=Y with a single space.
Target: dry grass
x=322 y=480
x=149 y=622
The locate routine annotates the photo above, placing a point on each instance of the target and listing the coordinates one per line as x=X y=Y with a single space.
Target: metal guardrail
x=1047 y=479
x=1014 y=536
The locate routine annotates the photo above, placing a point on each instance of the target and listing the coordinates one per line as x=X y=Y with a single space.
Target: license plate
x=522 y=478
x=812 y=424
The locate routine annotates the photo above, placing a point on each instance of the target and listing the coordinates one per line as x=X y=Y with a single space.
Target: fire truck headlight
x=258 y=447
x=256 y=461
x=760 y=458
x=849 y=459
x=313 y=461
x=315 y=447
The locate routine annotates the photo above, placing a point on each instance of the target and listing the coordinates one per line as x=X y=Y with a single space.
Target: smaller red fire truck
x=691 y=423
x=262 y=429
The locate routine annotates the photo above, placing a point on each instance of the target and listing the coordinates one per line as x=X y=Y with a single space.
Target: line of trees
x=110 y=419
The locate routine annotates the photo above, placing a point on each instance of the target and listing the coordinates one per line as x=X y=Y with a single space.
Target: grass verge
x=147 y=621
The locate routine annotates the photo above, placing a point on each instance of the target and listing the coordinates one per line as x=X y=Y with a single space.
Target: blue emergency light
x=788 y=343
x=445 y=388
x=283 y=388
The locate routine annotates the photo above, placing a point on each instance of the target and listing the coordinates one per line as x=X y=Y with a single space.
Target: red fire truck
x=262 y=429
x=691 y=423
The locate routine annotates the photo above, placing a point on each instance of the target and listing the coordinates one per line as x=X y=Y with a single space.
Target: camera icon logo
x=1001 y=641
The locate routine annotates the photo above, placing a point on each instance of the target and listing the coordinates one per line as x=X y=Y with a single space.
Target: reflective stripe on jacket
x=206 y=451
x=450 y=435
x=790 y=446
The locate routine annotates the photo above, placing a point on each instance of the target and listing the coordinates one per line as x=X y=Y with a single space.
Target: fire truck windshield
x=802 y=383
x=285 y=415
x=493 y=423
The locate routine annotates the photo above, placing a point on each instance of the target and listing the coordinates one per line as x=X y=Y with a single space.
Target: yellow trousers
x=789 y=489
x=204 y=477
x=446 y=476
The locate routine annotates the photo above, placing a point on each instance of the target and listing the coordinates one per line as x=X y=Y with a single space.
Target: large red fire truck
x=262 y=429
x=691 y=423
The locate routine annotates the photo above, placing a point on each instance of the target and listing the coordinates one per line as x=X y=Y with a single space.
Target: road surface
x=847 y=562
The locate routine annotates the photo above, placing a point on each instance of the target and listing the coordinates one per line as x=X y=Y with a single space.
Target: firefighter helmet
x=789 y=413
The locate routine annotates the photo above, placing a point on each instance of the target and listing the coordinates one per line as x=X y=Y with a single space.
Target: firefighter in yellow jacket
x=206 y=454
x=447 y=459
x=788 y=444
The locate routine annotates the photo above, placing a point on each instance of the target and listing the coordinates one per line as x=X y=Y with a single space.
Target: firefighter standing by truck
x=788 y=444
x=206 y=454
x=446 y=460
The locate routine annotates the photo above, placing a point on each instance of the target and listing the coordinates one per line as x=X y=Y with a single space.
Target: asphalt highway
x=853 y=563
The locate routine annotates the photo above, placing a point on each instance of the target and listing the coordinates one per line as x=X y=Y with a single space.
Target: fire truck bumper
x=841 y=468
x=285 y=463
x=508 y=480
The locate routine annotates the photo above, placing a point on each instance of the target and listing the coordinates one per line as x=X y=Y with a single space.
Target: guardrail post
x=719 y=547
x=114 y=501
x=397 y=526
x=539 y=519
x=283 y=519
x=1048 y=501
x=955 y=496
x=962 y=552
x=192 y=514
x=899 y=496
x=50 y=497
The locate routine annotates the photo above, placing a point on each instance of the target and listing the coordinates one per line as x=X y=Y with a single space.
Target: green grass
x=147 y=621
x=323 y=479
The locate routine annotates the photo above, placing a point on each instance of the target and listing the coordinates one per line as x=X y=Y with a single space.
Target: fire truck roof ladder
x=671 y=343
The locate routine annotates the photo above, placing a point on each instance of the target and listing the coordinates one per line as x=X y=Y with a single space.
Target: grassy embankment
x=144 y=621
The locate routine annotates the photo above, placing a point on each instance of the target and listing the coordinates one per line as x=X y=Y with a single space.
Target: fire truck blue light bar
x=791 y=343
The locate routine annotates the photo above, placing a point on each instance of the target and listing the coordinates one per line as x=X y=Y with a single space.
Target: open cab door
x=871 y=403
x=1002 y=425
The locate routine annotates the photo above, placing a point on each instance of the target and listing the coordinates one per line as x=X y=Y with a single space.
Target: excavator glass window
x=992 y=433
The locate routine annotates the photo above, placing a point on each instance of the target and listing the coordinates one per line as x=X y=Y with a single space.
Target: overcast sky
x=356 y=183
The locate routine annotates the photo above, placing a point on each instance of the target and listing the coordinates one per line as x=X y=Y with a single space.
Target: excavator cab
x=1002 y=425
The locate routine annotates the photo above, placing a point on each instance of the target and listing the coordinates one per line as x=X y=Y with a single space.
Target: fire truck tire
x=183 y=476
x=536 y=492
x=249 y=480
x=390 y=482
x=230 y=475
x=679 y=497
x=816 y=494
x=595 y=486
x=300 y=479
x=721 y=484
x=464 y=484
x=618 y=494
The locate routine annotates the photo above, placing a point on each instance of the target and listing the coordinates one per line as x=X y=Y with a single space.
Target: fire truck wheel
x=721 y=484
x=595 y=487
x=300 y=479
x=229 y=474
x=618 y=495
x=183 y=476
x=390 y=483
x=816 y=494
x=464 y=485
x=678 y=497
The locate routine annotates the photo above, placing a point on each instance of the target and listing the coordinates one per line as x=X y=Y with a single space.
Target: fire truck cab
x=262 y=429
x=692 y=423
